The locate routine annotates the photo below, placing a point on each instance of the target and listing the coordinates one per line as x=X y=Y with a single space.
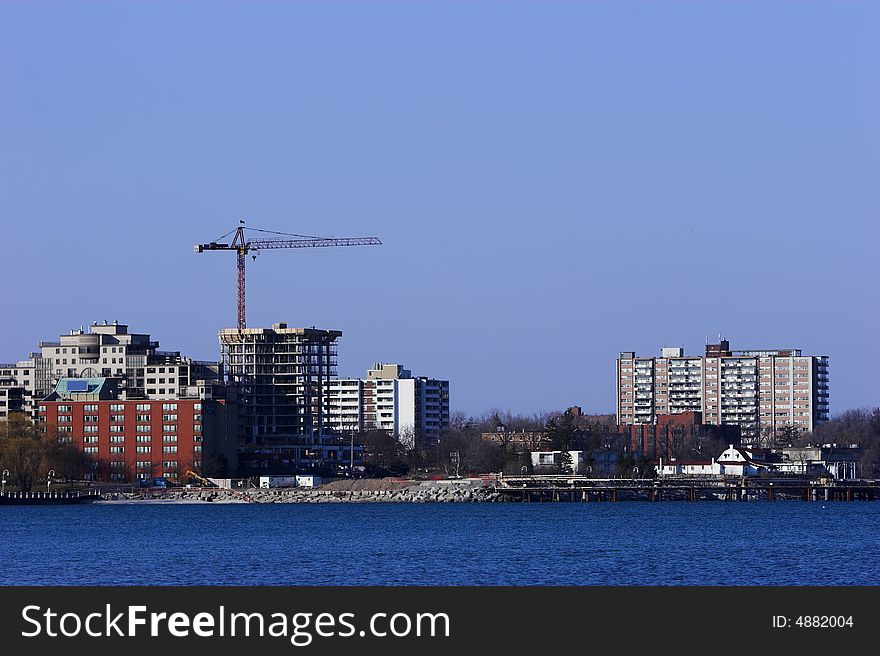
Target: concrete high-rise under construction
x=280 y=374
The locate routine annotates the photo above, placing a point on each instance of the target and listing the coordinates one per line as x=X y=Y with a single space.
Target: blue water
x=711 y=543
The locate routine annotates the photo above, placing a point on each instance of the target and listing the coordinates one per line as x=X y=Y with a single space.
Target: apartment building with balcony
x=766 y=390
x=109 y=350
x=391 y=399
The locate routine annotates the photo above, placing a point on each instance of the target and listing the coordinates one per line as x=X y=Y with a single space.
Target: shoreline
x=417 y=493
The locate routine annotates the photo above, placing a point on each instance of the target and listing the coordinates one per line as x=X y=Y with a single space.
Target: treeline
x=463 y=451
x=859 y=426
x=29 y=454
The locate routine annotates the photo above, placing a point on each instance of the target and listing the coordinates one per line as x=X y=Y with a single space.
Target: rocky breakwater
x=382 y=491
x=345 y=491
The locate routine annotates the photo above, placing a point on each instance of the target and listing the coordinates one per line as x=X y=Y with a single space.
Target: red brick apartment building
x=140 y=438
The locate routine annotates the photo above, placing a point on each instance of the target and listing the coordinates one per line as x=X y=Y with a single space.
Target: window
x=169 y=428
x=142 y=417
x=117 y=429
x=143 y=439
x=144 y=464
x=169 y=406
x=92 y=419
x=197 y=417
x=143 y=406
x=169 y=417
x=117 y=449
x=90 y=429
x=197 y=428
x=90 y=407
x=169 y=464
x=64 y=408
x=90 y=439
x=197 y=406
x=143 y=449
x=63 y=419
x=169 y=449
x=118 y=418
x=117 y=439
x=169 y=438
x=91 y=450
x=143 y=429
x=64 y=429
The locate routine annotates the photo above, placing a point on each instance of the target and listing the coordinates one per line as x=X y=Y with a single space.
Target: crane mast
x=242 y=246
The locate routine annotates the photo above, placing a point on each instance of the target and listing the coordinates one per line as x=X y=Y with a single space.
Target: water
x=670 y=543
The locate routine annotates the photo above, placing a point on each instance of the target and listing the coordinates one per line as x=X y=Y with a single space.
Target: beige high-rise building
x=762 y=391
x=109 y=350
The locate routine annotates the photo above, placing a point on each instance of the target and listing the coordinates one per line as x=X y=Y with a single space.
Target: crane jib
x=260 y=244
x=242 y=246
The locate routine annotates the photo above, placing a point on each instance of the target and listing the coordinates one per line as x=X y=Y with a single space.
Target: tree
x=23 y=451
x=383 y=455
x=526 y=462
x=859 y=426
x=565 y=462
x=587 y=465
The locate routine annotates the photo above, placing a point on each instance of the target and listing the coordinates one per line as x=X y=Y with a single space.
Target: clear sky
x=554 y=182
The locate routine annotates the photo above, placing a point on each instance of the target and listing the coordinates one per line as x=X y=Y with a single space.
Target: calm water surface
x=711 y=543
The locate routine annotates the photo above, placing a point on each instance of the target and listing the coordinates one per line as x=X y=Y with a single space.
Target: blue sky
x=553 y=182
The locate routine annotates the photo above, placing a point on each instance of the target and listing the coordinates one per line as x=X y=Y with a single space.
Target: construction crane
x=242 y=245
x=203 y=481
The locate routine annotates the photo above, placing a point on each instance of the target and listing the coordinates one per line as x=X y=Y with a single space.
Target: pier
x=580 y=489
x=47 y=498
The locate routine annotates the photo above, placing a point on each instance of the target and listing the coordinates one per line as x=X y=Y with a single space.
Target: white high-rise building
x=390 y=398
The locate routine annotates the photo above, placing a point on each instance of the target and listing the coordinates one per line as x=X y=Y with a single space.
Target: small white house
x=278 y=481
x=736 y=461
x=308 y=480
x=733 y=461
x=688 y=468
x=547 y=460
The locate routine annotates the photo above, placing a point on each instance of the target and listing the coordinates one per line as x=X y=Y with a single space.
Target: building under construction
x=280 y=374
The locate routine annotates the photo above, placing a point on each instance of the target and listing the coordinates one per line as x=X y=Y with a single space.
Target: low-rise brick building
x=131 y=439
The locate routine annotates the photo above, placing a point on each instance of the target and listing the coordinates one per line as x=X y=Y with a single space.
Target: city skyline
x=637 y=177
